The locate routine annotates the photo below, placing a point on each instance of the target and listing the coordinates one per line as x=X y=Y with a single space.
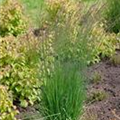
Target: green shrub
x=63 y=94
x=7 y=109
x=100 y=43
x=19 y=65
x=103 y=44
x=112 y=16
x=46 y=56
x=12 y=20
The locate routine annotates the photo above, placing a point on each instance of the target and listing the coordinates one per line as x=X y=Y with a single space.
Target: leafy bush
x=112 y=16
x=100 y=43
x=7 y=109
x=46 y=56
x=12 y=20
x=19 y=65
x=63 y=94
x=103 y=44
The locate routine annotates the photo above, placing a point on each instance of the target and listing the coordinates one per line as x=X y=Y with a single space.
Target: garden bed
x=107 y=105
x=46 y=47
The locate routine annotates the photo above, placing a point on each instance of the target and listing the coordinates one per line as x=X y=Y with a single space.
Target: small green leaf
x=24 y=103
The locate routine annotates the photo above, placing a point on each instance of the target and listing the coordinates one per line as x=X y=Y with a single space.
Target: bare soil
x=108 y=108
x=29 y=113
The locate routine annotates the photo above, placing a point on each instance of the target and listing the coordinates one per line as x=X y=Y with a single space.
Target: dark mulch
x=108 y=108
x=29 y=113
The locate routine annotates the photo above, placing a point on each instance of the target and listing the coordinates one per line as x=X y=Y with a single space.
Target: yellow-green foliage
x=7 y=109
x=115 y=59
x=72 y=40
x=64 y=18
x=12 y=20
x=102 y=43
x=97 y=96
x=96 y=77
x=19 y=65
x=54 y=6
x=46 y=56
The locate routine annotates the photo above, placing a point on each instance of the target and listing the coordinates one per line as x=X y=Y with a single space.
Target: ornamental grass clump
x=69 y=40
x=63 y=94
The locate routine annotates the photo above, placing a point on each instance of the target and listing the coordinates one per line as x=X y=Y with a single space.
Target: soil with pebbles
x=108 y=108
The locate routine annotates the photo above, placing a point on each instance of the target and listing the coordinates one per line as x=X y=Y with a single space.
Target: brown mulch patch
x=108 y=108
x=29 y=113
